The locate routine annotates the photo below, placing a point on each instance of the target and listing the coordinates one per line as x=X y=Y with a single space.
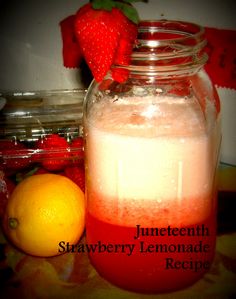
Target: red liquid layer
x=149 y=272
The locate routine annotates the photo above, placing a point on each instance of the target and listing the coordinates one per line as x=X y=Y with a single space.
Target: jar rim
x=169 y=46
x=176 y=37
x=191 y=29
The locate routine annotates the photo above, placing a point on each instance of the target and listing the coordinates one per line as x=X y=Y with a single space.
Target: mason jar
x=152 y=138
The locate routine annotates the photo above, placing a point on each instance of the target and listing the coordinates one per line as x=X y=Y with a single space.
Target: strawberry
x=77 y=151
x=128 y=35
x=54 y=152
x=14 y=154
x=77 y=175
x=77 y=142
x=100 y=27
x=98 y=38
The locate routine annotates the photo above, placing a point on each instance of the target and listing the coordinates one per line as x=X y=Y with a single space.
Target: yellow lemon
x=42 y=211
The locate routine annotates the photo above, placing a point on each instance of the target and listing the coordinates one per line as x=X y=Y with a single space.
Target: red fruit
x=99 y=33
x=54 y=155
x=77 y=175
x=14 y=154
x=77 y=149
x=128 y=33
x=98 y=37
x=77 y=142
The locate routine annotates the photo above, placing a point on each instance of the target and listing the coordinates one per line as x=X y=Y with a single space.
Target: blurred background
x=31 y=46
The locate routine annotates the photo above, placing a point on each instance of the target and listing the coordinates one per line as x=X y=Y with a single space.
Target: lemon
x=42 y=211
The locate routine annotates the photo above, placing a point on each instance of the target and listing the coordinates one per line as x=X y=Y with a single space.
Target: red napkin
x=221 y=48
x=71 y=51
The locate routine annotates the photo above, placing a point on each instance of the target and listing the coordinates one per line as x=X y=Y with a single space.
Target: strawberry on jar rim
x=106 y=31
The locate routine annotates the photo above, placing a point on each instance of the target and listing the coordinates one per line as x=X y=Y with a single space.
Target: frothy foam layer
x=156 y=154
x=149 y=116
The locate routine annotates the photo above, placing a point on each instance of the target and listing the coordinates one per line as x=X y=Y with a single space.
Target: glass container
x=40 y=132
x=152 y=146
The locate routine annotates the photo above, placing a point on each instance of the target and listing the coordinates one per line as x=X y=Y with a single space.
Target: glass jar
x=151 y=147
x=40 y=132
x=30 y=115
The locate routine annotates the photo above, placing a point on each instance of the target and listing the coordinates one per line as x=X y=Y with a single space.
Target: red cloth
x=221 y=48
x=71 y=52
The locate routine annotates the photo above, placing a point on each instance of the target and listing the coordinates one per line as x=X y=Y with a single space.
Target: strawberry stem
x=129 y=11
x=103 y=4
x=125 y=6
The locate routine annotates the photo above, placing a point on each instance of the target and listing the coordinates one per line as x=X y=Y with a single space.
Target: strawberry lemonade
x=150 y=169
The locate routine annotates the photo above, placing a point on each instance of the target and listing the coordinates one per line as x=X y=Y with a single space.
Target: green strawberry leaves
x=125 y=6
x=103 y=4
x=132 y=1
x=129 y=11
